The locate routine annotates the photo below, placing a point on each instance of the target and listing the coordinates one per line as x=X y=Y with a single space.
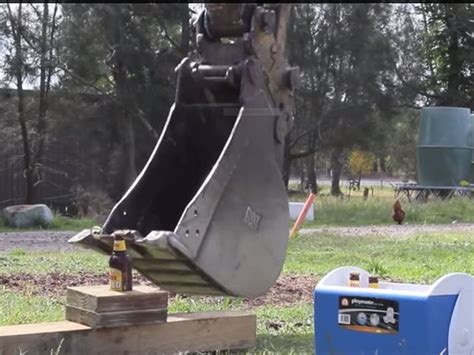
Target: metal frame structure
x=415 y=192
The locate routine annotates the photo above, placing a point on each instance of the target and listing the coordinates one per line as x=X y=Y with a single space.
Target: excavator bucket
x=208 y=214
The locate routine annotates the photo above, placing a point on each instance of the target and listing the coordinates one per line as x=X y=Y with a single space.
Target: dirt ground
x=57 y=241
x=288 y=289
x=37 y=241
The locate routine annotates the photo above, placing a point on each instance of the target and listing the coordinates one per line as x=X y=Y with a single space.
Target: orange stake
x=304 y=211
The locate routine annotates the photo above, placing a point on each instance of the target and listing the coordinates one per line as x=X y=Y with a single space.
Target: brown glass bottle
x=373 y=281
x=354 y=279
x=120 y=274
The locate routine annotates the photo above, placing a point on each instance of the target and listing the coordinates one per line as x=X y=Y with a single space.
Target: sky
x=3 y=51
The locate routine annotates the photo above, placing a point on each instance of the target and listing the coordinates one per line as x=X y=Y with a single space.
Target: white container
x=295 y=209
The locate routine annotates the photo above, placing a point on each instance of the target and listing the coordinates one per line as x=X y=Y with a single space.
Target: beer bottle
x=354 y=279
x=120 y=274
x=373 y=281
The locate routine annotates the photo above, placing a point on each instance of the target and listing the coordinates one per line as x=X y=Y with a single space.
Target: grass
x=377 y=210
x=23 y=308
x=420 y=258
x=19 y=261
x=60 y=223
x=332 y=211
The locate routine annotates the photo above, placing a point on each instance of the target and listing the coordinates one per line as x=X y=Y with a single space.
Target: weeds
x=378 y=211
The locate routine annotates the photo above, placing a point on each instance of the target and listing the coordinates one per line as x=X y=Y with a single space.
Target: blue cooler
x=395 y=318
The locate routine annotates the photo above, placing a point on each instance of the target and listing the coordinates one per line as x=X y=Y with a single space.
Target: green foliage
x=464 y=183
x=126 y=53
x=375 y=267
x=447 y=52
x=400 y=149
x=346 y=78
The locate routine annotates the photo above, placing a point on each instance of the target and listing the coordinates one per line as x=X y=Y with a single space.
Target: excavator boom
x=208 y=214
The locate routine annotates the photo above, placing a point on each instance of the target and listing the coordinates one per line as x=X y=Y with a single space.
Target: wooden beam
x=182 y=332
x=114 y=319
x=101 y=299
x=99 y=306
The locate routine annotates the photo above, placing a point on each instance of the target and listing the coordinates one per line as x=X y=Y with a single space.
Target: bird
x=398 y=214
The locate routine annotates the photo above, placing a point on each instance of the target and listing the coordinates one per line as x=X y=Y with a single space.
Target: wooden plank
x=116 y=318
x=99 y=298
x=183 y=332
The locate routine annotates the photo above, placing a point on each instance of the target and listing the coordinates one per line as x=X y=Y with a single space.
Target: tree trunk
x=129 y=145
x=382 y=165
x=455 y=62
x=302 y=175
x=312 y=183
x=286 y=162
x=28 y=172
x=336 y=167
x=126 y=129
x=43 y=106
x=185 y=31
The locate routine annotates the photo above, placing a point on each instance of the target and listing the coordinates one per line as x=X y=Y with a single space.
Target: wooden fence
x=57 y=188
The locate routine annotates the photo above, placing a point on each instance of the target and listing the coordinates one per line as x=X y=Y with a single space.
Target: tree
x=360 y=162
x=438 y=65
x=17 y=69
x=400 y=149
x=448 y=52
x=31 y=53
x=348 y=63
x=126 y=52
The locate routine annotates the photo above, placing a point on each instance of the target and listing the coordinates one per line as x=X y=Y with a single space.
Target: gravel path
x=392 y=230
x=37 y=241
x=57 y=241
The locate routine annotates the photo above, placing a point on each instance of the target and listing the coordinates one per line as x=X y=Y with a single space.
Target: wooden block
x=115 y=318
x=101 y=299
x=208 y=331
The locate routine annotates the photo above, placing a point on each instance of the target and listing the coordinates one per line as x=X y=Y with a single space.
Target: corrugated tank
x=444 y=151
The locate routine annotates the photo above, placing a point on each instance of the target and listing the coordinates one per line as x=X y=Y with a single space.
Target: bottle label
x=116 y=280
x=119 y=245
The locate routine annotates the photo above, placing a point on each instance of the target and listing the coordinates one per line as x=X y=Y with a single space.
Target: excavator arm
x=208 y=214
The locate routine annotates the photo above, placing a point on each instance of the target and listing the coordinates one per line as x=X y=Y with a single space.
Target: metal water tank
x=472 y=149
x=444 y=149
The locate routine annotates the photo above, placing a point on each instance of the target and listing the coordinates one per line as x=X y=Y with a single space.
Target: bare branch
x=167 y=35
x=138 y=114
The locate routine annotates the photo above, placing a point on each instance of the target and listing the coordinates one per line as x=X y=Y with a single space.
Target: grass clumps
x=378 y=210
